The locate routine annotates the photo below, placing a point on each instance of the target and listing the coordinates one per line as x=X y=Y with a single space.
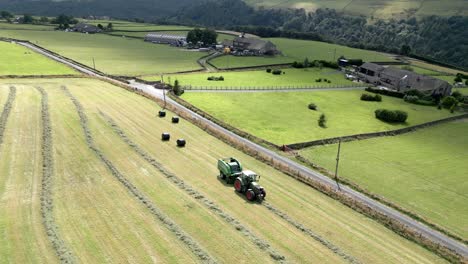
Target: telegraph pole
x=94 y=64
x=337 y=162
x=163 y=90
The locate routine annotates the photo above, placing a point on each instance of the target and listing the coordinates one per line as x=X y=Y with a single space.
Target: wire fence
x=272 y=88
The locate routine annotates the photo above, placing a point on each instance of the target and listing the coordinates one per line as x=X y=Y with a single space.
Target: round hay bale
x=181 y=142
x=162 y=113
x=165 y=136
x=175 y=119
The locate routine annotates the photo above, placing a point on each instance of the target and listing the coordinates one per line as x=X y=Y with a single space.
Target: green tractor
x=247 y=183
x=229 y=169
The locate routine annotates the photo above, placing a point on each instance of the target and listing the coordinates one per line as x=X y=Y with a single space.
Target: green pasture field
x=377 y=9
x=423 y=171
x=101 y=221
x=297 y=50
x=112 y=55
x=419 y=70
x=284 y=118
x=18 y=60
x=260 y=78
x=7 y=26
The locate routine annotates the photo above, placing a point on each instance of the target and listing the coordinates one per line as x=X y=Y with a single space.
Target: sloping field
x=423 y=171
x=297 y=50
x=113 y=55
x=18 y=60
x=290 y=78
x=284 y=118
x=122 y=195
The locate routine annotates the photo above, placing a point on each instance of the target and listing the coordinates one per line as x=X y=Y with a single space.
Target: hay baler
x=229 y=169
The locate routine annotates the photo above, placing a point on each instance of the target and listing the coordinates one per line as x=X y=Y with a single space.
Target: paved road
x=406 y=220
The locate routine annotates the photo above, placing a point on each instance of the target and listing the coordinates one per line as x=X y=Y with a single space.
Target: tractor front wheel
x=250 y=195
x=238 y=185
x=264 y=193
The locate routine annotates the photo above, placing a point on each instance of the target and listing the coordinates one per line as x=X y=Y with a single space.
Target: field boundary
x=396 y=132
x=47 y=208
x=168 y=223
x=54 y=76
x=6 y=112
x=181 y=184
x=270 y=88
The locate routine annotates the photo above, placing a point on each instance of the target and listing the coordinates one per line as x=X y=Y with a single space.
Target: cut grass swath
x=6 y=111
x=201 y=253
x=263 y=245
x=47 y=208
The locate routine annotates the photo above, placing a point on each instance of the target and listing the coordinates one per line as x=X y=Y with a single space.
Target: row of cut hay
x=47 y=207
x=310 y=233
x=194 y=246
x=263 y=245
x=6 y=112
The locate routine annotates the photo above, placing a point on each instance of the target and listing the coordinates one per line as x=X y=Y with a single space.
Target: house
x=402 y=80
x=85 y=28
x=174 y=40
x=251 y=46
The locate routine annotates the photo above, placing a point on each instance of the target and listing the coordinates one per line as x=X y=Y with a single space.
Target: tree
x=44 y=19
x=6 y=15
x=405 y=50
x=177 y=89
x=458 y=79
x=110 y=26
x=306 y=63
x=206 y=36
x=28 y=19
x=64 y=19
x=100 y=26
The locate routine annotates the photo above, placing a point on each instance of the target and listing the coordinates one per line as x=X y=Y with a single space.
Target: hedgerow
x=263 y=245
x=47 y=208
x=391 y=116
x=6 y=111
x=201 y=253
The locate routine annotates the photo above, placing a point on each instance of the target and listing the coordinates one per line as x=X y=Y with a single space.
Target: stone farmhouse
x=402 y=80
x=173 y=40
x=251 y=46
x=85 y=28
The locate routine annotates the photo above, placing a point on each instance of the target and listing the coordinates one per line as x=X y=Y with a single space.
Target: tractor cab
x=250 y=176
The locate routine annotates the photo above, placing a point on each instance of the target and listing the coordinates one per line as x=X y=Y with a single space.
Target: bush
x=328 y=81
x=298 y=65
x=385 y=92
x=268 y=70
x=318 y=80
x=458 y=79
x=396 y=116
x=374 y=98
x=411 y=98
x=414 y=92
x=177 y=89
x=449 y=101
x=277 y=72
x=458 y=96
x=213 y=78
x=322 y=122
x=312 y=106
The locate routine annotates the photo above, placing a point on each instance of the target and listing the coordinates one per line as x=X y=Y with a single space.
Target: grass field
x=113 y=55
x=18 y=60
x=422 y=171
x=283 y=118
x=377 y=9
x=297 y=50
x=292 y=77
x=102 y=220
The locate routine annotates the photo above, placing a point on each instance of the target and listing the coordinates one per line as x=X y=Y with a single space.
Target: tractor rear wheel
x=221 y=174
x=250 y=195
x=238 y=185
x=264 y=193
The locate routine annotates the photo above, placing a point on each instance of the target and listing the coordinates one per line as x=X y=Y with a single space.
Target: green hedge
x=392 y=116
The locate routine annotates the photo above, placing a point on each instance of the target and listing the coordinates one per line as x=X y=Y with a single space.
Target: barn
x=174 y=40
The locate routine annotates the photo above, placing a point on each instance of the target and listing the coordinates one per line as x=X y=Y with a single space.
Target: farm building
x=174 y=40
x=402 y=80
x=85 y=28
x=251 y=46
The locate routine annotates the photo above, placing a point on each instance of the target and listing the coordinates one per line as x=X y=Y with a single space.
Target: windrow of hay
x=6 y=112
x=47 y=207
x=263 y=245
x=310 y=233
x=193 y=245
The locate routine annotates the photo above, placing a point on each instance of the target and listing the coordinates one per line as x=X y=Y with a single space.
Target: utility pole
x=337 y=162
x=163 y=90
x=334 y=55
x=94 y=64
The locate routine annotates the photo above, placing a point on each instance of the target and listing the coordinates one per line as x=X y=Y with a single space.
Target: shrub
x=268 y=70
x=322 y=122
x=328 y=81
x=221 y=78
x=277 y=72
x=213 y=78
x=458 y=79
x=177 y=89
x=318 y=80
x=312 y=106
x=298 y=65
x=449 y=101
x=385 y=92
x=395 y=116
x=458 y=96
x=374 y=98
x=411 y=98
x=414 y=92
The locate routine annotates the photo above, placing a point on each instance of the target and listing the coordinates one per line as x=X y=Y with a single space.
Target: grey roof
x=165 y=36
x=82 y=27
x=372 y=66
x=255 y=43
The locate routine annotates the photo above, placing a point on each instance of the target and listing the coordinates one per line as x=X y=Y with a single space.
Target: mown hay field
x=297 y=50
x=422 y=171
x=120 y=194
x=261 y=78
x=18 y=60
x=284 y=118
x=112 y=55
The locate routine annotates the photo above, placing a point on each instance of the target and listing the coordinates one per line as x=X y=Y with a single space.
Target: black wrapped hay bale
x=175 y=119
x=165 y=136
x=162 y=113
x=181 y=142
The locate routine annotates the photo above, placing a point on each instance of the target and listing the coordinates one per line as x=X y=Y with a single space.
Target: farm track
x=47 y=208
x=263 y=245
x=6 y=112
x=216 y=209
x=196 y=249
